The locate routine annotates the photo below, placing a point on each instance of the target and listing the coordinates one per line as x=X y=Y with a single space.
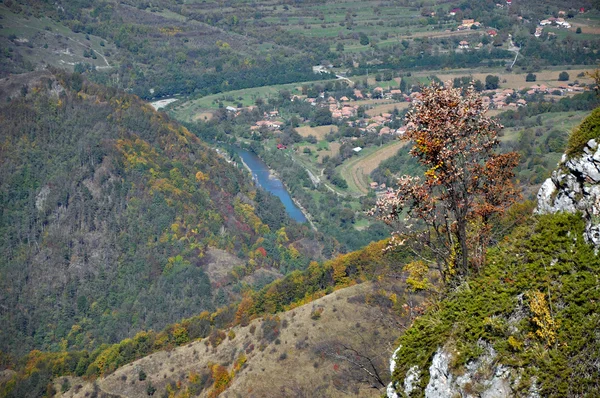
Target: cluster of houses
x=343 y=109
x=560 y=22
x=509 y=98
x=464 y=45
x=504 y=98
x=268 y=122
x=375 y=124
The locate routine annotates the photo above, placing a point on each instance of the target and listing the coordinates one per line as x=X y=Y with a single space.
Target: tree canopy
x=465 y=183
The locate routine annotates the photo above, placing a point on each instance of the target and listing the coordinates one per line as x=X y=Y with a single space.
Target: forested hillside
x=109 y=211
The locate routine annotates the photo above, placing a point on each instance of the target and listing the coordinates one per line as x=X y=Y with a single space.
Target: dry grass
x=320 y=131
x=372 y=102
x=334 y=149
x=345 y=317
x=387 y=108
x=203 y=116
x=585 y=28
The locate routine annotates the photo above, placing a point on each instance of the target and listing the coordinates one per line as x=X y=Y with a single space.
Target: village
x=346 y=110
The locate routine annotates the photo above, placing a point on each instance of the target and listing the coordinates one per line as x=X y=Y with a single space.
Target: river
x=262 y=175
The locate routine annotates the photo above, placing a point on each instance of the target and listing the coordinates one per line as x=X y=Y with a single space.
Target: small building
x=385 y=130
x=463 y=44
x=538 y=31
x=357 y=149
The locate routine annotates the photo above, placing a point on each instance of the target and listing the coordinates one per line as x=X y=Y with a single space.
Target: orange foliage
x=222 y=379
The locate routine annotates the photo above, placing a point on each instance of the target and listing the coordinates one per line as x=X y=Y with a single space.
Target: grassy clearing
x=44 y=39
x=561 y=121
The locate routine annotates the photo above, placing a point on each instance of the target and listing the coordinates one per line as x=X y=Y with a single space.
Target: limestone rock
x=573 y=187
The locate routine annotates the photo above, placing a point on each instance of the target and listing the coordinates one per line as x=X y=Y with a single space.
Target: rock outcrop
x=482 y=377
x=575 y=186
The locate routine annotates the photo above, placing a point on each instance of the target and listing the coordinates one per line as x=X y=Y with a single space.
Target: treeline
x=401 y=163
x=181 y=80
x=488 y=58
x=580 y=102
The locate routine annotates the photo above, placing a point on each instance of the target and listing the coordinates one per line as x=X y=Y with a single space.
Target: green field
x=188 y=110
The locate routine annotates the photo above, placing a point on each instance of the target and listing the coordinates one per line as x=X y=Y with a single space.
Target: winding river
x=262 y=175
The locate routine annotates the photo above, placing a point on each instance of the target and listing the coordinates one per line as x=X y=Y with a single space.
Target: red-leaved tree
x=466 y=182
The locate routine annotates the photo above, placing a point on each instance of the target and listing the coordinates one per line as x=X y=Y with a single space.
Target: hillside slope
x=306 y=351
x=109 y=213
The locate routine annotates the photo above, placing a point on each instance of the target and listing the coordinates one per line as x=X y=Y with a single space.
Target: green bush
x=563 y=76
x=588 y=129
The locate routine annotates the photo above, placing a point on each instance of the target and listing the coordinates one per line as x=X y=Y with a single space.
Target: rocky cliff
x=575 y=186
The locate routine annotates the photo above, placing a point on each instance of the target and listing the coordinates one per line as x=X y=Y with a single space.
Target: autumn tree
x=466 y=182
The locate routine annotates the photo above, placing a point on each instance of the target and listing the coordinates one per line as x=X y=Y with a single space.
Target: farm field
x=319 y=131
x=356 y=171
x=517 y=80
x=387 y=108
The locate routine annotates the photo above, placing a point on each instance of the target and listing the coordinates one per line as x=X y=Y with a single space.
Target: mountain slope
x=108 y=212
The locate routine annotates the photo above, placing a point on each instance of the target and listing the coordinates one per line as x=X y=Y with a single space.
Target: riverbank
x=270 y=181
